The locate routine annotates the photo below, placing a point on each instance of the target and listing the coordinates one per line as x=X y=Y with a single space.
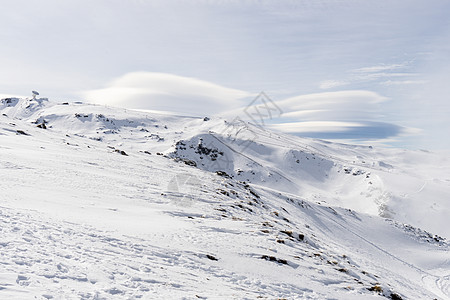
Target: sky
x=370 y=72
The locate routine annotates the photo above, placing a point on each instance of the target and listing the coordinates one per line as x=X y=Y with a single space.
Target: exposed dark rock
x=223 y=174
x=121 y=152
x=21 y=132
x=395 y=296
x=376 y=288
x=274 y=259
x=211 y=257
x=287 y=232
x=190 y=162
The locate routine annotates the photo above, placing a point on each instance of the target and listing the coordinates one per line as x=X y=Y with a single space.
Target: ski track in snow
x=58 y=260
x=46 y=255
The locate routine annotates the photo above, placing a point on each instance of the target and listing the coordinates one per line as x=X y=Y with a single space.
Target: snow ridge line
x=239 y=153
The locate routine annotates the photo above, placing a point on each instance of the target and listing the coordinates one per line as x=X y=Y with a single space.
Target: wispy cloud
x=404 y=82
x=378 y=74
x=380 y=68
x=329 y=84
x=315 y=127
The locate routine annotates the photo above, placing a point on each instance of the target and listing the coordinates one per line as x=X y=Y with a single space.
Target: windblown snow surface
x=105 y=203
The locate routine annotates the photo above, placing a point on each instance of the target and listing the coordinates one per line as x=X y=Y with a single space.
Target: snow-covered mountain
x=106 y=203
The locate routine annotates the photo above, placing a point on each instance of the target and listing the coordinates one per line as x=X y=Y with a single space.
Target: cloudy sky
x=350 y=70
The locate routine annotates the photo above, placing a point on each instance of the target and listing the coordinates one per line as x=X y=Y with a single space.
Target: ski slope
x=106 y=203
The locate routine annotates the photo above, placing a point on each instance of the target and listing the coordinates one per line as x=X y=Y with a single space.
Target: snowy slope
x=105 y=203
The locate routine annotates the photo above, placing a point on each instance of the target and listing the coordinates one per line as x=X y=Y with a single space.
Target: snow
x=107 y=203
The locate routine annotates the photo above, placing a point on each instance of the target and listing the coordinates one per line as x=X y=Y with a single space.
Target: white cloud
x=329 y=84
x=354 y=115
x=380 y=68
x=341 y=100
x=341 y=106
x=404 y=82
x=374 y=74
x=167 y=92
x=315 y=126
